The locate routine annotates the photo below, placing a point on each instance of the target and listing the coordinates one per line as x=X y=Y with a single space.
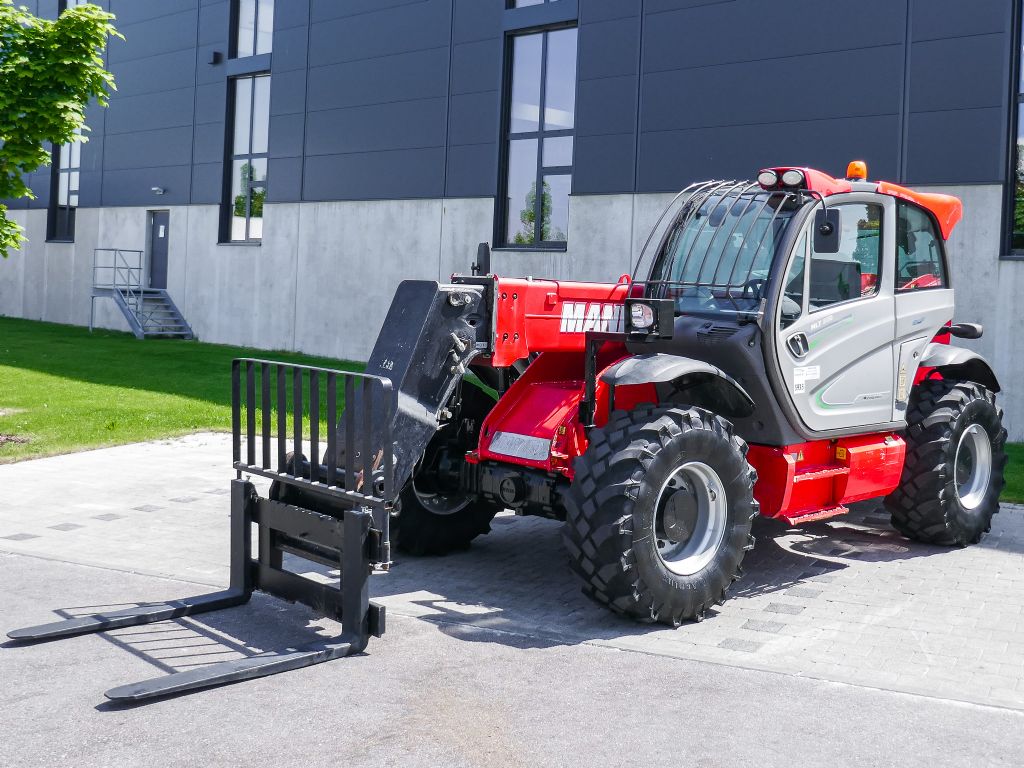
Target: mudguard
x=960 y=363
x=704 y=385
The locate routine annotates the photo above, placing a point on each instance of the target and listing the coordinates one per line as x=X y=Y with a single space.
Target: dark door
x=158 y=232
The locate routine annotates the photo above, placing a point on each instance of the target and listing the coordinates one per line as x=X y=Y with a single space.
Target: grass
x=63 y=389
x=1014 y=490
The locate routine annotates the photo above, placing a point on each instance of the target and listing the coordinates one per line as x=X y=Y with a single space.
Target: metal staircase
x=118 y=274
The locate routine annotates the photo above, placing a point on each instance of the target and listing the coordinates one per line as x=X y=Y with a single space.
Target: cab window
x=793 y=289
x=853 y=272
x=919 y=261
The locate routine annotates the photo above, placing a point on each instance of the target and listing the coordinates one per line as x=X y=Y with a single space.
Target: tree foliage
x=49 y=71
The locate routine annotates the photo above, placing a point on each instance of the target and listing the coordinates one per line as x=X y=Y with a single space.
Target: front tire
x=953 y=473
x=659 y=513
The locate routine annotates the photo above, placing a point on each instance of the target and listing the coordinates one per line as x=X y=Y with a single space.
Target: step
x=812 y=515
x=820 y=472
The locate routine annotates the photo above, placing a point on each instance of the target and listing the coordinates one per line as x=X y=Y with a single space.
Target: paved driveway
x=846 y=601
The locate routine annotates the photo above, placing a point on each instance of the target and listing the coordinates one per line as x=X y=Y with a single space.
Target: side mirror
x=826 y=230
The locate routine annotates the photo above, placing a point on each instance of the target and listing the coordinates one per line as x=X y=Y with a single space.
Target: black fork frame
x=352 y=534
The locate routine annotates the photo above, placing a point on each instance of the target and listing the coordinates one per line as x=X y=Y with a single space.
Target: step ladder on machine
x=323 y=512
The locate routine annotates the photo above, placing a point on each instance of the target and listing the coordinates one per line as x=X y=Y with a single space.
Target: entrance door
x=159 y=224
x=836 y=328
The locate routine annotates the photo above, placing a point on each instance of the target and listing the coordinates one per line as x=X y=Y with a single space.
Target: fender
x=694 y=382
x=960 y=363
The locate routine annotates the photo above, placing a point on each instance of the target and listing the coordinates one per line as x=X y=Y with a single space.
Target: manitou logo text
x=582 y=316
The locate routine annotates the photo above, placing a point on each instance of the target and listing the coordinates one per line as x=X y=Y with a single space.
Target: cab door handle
x=798 y=344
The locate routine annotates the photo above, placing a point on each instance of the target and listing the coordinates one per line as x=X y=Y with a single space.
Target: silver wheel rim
x=690 y=518
x=972 y=467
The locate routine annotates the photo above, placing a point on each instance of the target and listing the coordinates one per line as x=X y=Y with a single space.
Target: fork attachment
x=348 y=530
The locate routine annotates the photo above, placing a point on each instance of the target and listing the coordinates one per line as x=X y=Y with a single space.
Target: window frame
x=937 y=231
x=233 y=35
x=809 y=271
x=507 y=136
x=231 y=157
x=1016 y=104
x=55 y=233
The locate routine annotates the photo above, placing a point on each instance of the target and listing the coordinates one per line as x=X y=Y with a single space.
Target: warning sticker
x=802 y=375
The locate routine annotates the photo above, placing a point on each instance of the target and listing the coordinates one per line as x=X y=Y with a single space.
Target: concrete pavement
x=844 y=643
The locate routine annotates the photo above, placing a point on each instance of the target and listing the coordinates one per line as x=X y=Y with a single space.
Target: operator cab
x=817 y=295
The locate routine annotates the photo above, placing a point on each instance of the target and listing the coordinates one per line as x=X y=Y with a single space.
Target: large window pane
x=260 y=114
x=919 y=261
x=1017 y=227
x=265 y=27
x=522 y=192
x=560 y=89
x=558 y=152
x=526 y=67
x=852 y=272
x=243 y=115
x=246 y=28
x=241 y=170
x=555 y=224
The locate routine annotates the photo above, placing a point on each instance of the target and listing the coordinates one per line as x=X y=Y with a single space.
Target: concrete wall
x=322 y=280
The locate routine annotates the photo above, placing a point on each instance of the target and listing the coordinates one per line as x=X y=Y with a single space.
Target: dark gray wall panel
x=933 y=19
x=604 y=164
x=148 y=149
x=284 y=179
x=743 y=94
x=402 y=125
x=286 y=135
x=162 y=34
x=472 y=170
x=608 y=48
x=671 y=159
x=207 y=184
x=130 y=12
x=476 y=66
x=90 y=186
x=373 y=175
x=411 y=27
x=321 y=10
x=288 y=92
x=605 y=106
x=965 y=145
x=604 y=10
x=944 y=74
x=402 y=77
x=477 y=19
x=215 y=22
x=211 y=102
x=130 y=114
x=156 y=74
x=474 y=118
x=133 y=186
x=290 y=48
x=208 y=143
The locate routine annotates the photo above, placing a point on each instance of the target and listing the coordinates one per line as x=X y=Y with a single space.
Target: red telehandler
x=781 y=349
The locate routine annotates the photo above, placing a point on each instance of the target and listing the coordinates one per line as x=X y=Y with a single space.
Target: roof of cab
x=946 y=209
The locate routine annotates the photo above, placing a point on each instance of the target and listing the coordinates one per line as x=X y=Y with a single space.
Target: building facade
x=283 y=165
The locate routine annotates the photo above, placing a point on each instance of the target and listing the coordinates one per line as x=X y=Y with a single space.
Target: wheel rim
x=973 y=466
x=440 y=503
x=691 y=516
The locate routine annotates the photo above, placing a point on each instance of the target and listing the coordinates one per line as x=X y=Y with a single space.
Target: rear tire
x=953 y=473
x=650 y=475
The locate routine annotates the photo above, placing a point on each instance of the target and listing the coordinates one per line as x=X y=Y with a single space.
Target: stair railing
x=123 y=271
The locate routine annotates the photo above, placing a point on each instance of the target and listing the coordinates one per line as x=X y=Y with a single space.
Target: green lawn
x=63 y=389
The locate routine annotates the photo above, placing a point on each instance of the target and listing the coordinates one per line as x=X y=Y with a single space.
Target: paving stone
x=784 y=608
x=147 y=508
x=19 y=537
x=107 y=517
x=65 y=527
x=736 y=644
x=763 y=626
x=185 y=499
x=803 y=592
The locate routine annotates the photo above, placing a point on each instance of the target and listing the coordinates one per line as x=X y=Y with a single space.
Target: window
x=525 y=3
x=793 y=292
x=541 y=116
x=254 y=27
x=852 y=273
x=247 y=183
x=1015 y=196
x=64 y=175
x=919 y=257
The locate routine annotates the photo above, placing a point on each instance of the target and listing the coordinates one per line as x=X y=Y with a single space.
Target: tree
x=528 y=216
x=49 y=71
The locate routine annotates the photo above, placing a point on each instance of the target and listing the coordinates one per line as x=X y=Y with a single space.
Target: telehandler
x=782 y=348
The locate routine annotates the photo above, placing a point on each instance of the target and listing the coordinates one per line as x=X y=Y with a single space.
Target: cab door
x=836 y=324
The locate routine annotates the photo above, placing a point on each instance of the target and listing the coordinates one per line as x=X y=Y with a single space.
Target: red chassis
x=550 y=318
